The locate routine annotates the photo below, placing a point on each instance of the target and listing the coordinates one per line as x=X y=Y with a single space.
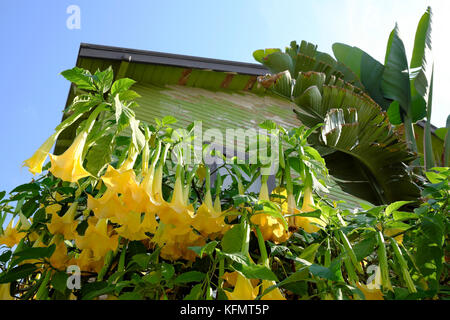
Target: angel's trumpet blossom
x=66 y=224
x=69 y=165
x=36 y=161
x=309 y=224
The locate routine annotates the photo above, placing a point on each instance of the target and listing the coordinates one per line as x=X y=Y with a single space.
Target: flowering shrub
x=123 y=215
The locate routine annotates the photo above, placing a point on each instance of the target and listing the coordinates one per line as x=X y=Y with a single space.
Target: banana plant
x=399 y=88
x=366 y=155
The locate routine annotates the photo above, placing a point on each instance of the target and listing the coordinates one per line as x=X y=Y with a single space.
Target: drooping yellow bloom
x=98 y=239
x=4 y=292
x=309 y=224
x=87 y=262
x=69 y=165
x=389 y=232
x=271 y=228
x=119 y=180
x=175 y=246
x=59 y=258
x=208 y=219
x=108 y=206
x=370 y=293
x=243 y=290
x=66 y=224
x=275 y=294
x=11 y=235
x=177 y=213
x=372 y=290
x=134 y=229
x=36 y=161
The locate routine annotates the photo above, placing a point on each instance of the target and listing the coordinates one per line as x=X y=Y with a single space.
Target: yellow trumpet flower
x=98 y=238
x=86 y=261
x=389 y=232
x=176 y=246
x=271 y=228
x=108 y=206
x=4 y=292
x=66 y=224
x=177 y=213
x=208 y=219
x=308 y=223
x=11 y=235
x=36 y=161
x=69 y=165
x=370 y=293
x=275 y=294
x=119 y=180
x=243 y=290
x=59 y=257
x=372 y=290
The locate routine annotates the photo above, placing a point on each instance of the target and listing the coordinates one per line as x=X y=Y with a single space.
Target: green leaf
x=121 y=85
x=365 y=247
x=420 y=55
x=131 y=296
x=4 y=257
x=167 y=271
x=428 y=156
x=59 y=281
x=103 y=79
x=168 y=120
x=195 y=293
x=364 y=66
x=92 y=290
x=447 y=144
x=33 y=253
x=190 y=276
x=233 y=239
x=395 y=83
x=17 y=273
x=395 y=206
x=142 y=259
x=261 y=53
x=278 y=62
x=80 y=77
x=332 y=273
x=129 y=95
x=255 y=271
x=394 y=113
x=99 y=154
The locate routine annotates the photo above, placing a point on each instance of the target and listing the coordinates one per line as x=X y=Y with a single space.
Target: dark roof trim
x=142 y=56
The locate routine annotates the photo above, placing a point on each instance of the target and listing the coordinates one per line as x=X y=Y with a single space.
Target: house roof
x=160 y=58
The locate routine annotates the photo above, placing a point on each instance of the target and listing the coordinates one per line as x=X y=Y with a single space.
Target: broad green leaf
x=420 y=55
x=255 y=271
x=261 y=53
x=395 y=206
x=233 y=239
x=17 y=273
x=121 y=85
x=33 y=253
x=190 y=276
x=394 y=114
x=395 y=80
x=59 y=281
x=167 y=271
x=80 y=77
x=447 y=144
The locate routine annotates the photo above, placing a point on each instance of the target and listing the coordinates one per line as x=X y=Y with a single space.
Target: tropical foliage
x=139 y=223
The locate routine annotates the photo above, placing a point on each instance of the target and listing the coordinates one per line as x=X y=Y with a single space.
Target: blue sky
x=37 y=46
